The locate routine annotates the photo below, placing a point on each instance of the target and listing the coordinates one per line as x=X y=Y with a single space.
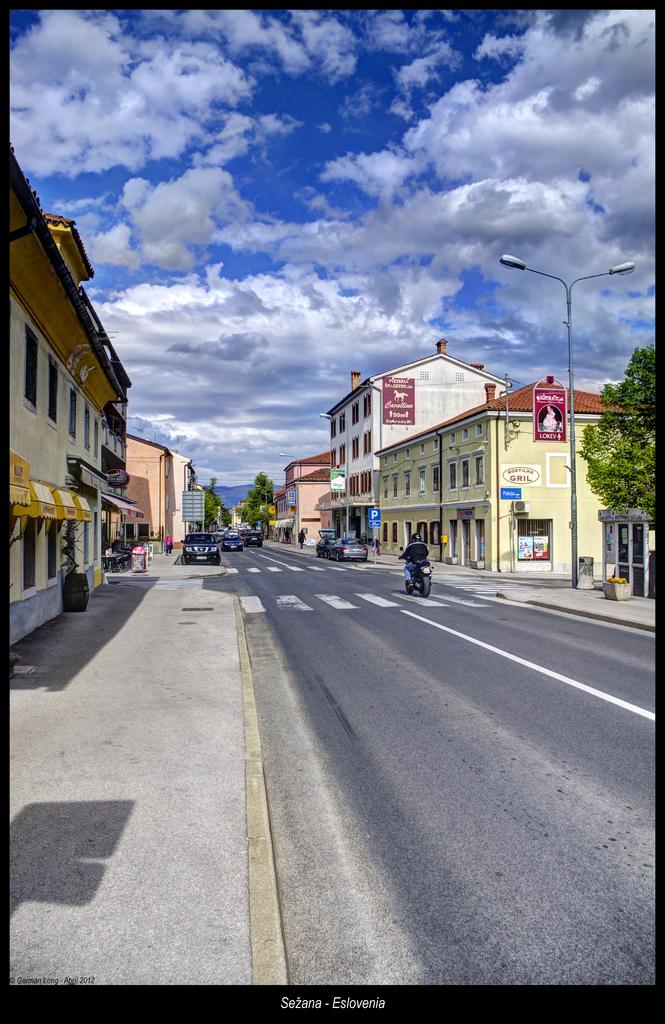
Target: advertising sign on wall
x=399 y=400
x=117 y=478
x=337 y=480
x=550 y=407
x=522 y=475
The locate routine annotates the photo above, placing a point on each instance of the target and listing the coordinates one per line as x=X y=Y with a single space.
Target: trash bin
x=585 y=573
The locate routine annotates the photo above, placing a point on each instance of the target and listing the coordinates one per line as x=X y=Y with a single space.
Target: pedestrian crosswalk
x=292 y=602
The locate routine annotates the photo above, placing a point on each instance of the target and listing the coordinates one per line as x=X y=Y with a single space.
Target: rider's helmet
x=415 y=537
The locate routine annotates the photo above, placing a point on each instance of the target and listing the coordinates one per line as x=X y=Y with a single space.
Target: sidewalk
x=558 y=595
x=130 y=858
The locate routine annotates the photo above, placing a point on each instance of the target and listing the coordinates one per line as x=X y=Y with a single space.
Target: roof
x=56 y=218
x=586 y=402
x=407 y=366
x=322 y=459
x=153 y=444
x=315 y=477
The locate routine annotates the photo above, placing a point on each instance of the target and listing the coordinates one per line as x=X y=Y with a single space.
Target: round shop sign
x=520 y=474
x=117 y=478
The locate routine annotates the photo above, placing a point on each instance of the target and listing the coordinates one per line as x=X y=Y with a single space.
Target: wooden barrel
x=75 y=592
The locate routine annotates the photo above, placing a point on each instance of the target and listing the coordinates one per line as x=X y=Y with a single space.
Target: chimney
x=441 y=345
x=478 y=366
x=489 y=391
x=355 y=379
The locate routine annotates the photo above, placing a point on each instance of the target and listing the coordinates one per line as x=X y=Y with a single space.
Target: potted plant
x=75 y=590
x=616 y=588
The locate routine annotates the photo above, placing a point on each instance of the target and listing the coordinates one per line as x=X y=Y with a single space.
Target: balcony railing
x=114 y=443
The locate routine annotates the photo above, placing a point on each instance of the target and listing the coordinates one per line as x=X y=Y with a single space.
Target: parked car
x=201 y=547
x=232 y=541
x=254 y=537
x=323 y=546
x=348 y=549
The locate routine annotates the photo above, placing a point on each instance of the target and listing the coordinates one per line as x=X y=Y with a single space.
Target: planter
x=75 y=592
x=617 y=591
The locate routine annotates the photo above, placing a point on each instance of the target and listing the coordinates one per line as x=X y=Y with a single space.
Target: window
x=29 y=545
x=355 y=448
x=422 y=482
x=333 y=428
x=385 y=460
x=394 y=533
x=72 y=412
x=52 y=390
x=465 y=435
x=395 y=457
x=534 y=540
x=144 y=530
x=422 y=449
x=479 y=430
x=452 y=439
x=86 y=542
x=95 y=537
x=435 y=479
x=30 y=386
x=96 y=449
x=407 y=453
x=407 y=484
x=480 y=469
x=342 y=454
x=333 y=457
x=465 y=472
x=453 y=537
x=435 y=532
x=435 y=444
x=385 y=487
x=355 y=409
x=51 y=550
x=385 y=533
x=342 y=422
x=452 y=469
x=129 y=531
x=86 y=427
x=395 y=485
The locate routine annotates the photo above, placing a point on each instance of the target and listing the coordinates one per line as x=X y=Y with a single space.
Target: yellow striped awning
x=41 y=505
x=19 y=480
x=85 y=515
x=64 y=504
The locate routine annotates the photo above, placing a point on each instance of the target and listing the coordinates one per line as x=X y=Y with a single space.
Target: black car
x=232 y=541
x=201 y=547
x=254 y=537
x=348 y=549
x=323 y=547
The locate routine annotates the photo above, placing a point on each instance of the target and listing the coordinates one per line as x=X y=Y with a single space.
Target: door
x=466 y=547
x=637 y=560
x=623 y=550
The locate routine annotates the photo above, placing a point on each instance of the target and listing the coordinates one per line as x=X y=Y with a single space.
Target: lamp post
x=620 y=268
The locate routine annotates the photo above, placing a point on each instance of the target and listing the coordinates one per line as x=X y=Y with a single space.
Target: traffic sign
x=374 y=517
x=511 y=493
x=291 y=497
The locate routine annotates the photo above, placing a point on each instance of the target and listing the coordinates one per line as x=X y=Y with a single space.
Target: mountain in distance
x=232 y=495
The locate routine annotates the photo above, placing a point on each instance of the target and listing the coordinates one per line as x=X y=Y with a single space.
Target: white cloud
x=114 y=246
x=422 y=70
x=380 y=174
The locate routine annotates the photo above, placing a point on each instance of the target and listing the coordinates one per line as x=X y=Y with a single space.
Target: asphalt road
x=443 y=813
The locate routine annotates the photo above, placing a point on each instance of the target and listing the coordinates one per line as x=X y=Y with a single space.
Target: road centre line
x=539 y=668
x=291 y=567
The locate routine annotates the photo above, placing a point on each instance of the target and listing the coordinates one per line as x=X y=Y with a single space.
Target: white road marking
x=315 y=568
x=381 y=601
x=334 y=601
x=421 y=600
x=253 y=570
x=285 y=564
x=457 y=600
x=251 y=604
x=291 y=601
x=273 y=568
x=336 y=568
x=539 y=668
x=231 y=570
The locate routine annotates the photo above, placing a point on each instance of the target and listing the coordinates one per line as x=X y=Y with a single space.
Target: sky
x=271 y=199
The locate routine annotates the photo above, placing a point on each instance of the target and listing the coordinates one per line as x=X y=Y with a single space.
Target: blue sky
x=271 y=199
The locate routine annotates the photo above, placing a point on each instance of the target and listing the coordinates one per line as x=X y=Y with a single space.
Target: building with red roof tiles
x=306 y=480
x=485 y=494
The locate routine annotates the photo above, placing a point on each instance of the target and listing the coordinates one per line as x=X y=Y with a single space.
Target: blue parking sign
x=374 y=517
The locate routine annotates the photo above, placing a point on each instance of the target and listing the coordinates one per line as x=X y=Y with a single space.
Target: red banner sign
x=399 y=400
x=550 y=410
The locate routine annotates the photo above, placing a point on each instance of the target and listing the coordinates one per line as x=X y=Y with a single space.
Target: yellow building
x=61 y=381
x=446 y=483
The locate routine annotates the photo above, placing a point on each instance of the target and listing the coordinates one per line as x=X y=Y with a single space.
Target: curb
x=579 y=612
x=265 y=923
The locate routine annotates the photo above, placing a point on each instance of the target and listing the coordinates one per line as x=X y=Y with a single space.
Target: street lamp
x=620 y=268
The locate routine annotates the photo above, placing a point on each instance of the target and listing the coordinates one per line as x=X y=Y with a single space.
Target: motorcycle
x=421 y=579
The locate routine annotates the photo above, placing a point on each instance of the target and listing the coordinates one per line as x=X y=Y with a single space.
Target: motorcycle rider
x=415 y=551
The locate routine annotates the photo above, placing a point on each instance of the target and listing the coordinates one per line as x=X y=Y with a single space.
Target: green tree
x=620 y=450
x=255 y=506
x=212 y=503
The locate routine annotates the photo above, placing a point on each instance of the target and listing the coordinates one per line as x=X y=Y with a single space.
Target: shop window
x=29 y=546
x=52 y=550
x=144 y=531
x=129 y=531
x=422 y=530
x=480 y=539
x=435 y=532
x=534 y=540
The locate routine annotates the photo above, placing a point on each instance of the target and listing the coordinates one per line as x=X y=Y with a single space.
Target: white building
x=434 y=388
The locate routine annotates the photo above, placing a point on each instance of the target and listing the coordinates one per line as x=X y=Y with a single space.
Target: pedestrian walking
x=376 y=544
x=301 y=538
x=168 y=543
